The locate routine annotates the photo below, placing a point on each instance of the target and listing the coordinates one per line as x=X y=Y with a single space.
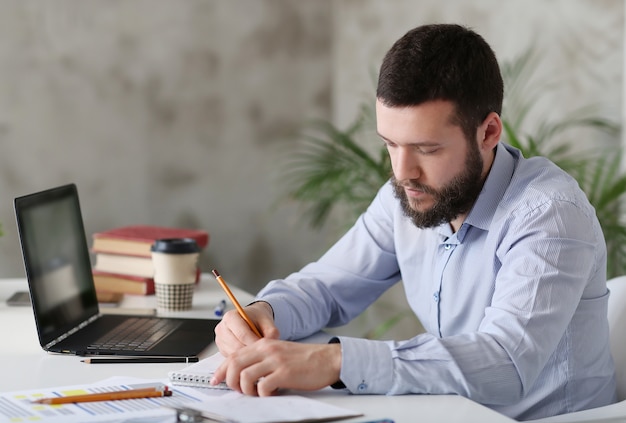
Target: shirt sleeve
x=354 y=272
x=542 y=283
x=541 y=300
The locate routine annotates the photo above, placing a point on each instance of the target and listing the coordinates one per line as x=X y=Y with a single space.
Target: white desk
x=24 y=365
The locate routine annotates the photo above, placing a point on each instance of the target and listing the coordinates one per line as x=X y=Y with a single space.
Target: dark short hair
x=443 y=62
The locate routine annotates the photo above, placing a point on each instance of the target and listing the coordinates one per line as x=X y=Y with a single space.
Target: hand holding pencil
x=232 y=298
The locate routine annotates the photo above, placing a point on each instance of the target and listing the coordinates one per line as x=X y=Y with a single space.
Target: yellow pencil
x=240 y=309
x=109 y=396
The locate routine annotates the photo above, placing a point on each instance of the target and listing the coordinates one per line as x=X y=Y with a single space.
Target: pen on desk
x=109 y=396
x=219 y=309
x=111 y=360
x=240 y=309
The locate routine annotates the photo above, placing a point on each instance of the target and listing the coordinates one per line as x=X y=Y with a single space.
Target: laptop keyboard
x=136 y=334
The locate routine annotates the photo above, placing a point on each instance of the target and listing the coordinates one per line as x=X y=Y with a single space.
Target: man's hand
x=267 y=365
x=233 y=333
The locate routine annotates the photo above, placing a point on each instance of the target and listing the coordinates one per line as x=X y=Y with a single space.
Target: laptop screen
x=56 y=260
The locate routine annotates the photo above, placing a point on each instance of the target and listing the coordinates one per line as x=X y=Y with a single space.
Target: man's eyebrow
x=382 y=136
x=418 y=143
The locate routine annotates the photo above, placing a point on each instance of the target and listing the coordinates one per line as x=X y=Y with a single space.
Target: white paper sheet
x=236 y=407
x=19 y=406
x=240 y=408
x=225 y=405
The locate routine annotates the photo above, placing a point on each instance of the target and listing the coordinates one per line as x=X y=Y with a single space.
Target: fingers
x=268 y=329
x=247 y=371
x=226 y=338
x=263 y=314
x=233 y=333
x=267 y=365
x=241 y=371
x=238 y=373
x=249 y=381
x=219 y=375
x=267 y=386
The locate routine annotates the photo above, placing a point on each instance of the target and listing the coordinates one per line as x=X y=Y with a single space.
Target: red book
x=136 y=240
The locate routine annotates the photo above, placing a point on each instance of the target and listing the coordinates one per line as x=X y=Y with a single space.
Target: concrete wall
x=180 y=113
x=172 y=113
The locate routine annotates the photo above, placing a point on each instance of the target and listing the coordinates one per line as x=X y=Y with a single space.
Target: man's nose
x=406 y=166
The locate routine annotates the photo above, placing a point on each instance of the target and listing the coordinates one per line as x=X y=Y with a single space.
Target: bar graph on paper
x=18 y=407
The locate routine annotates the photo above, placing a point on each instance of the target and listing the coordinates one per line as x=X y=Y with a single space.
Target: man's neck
x=455 y=225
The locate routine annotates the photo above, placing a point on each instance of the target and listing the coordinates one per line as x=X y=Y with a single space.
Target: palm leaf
x=331 y=170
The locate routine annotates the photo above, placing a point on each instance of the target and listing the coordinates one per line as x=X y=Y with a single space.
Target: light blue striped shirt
x=514 y=303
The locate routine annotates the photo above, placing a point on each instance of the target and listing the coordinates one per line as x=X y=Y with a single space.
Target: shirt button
x=447 y=246
x=436 y=297
x=362 y=387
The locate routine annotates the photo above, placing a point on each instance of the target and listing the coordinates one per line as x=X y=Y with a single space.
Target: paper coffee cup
x=175 y=262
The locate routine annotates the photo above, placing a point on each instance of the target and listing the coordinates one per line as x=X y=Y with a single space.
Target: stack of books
x=123 y=260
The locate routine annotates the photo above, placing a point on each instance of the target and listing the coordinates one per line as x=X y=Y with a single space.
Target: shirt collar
x=495 y=186
x=491 y=194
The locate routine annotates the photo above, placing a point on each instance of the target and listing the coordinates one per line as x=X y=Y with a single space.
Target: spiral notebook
x=199 y=374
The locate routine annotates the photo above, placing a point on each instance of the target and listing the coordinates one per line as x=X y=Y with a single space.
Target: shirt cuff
x=339 y=384
x=366 y=366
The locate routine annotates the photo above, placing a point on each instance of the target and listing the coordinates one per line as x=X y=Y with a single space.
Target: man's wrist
x=267 y=305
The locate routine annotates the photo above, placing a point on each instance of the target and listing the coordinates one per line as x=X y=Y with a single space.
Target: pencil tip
x=216 y=273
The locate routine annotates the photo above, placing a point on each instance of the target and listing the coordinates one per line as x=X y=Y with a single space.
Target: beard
x=452 y=200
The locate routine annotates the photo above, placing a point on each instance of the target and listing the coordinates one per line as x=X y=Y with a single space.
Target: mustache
x=413 y=184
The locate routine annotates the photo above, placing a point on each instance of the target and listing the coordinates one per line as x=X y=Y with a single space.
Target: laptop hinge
x=70 y=332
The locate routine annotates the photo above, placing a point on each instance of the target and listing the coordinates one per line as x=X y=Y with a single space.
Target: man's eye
x=427 y=151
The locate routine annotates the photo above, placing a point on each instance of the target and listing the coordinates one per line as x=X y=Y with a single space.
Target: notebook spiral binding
x=195 y=380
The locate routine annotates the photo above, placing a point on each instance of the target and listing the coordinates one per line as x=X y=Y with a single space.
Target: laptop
x=63 y=293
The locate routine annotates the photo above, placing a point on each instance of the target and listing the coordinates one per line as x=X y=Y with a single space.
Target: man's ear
x=490 y=131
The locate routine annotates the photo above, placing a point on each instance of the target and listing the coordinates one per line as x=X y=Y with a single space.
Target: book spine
x=123 y=264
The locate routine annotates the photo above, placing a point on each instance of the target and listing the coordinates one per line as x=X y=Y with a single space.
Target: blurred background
x=181 y=113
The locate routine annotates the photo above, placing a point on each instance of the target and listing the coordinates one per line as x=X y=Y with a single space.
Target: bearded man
x=502 y=259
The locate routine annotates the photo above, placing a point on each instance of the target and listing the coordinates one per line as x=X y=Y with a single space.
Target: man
x=501 y=257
